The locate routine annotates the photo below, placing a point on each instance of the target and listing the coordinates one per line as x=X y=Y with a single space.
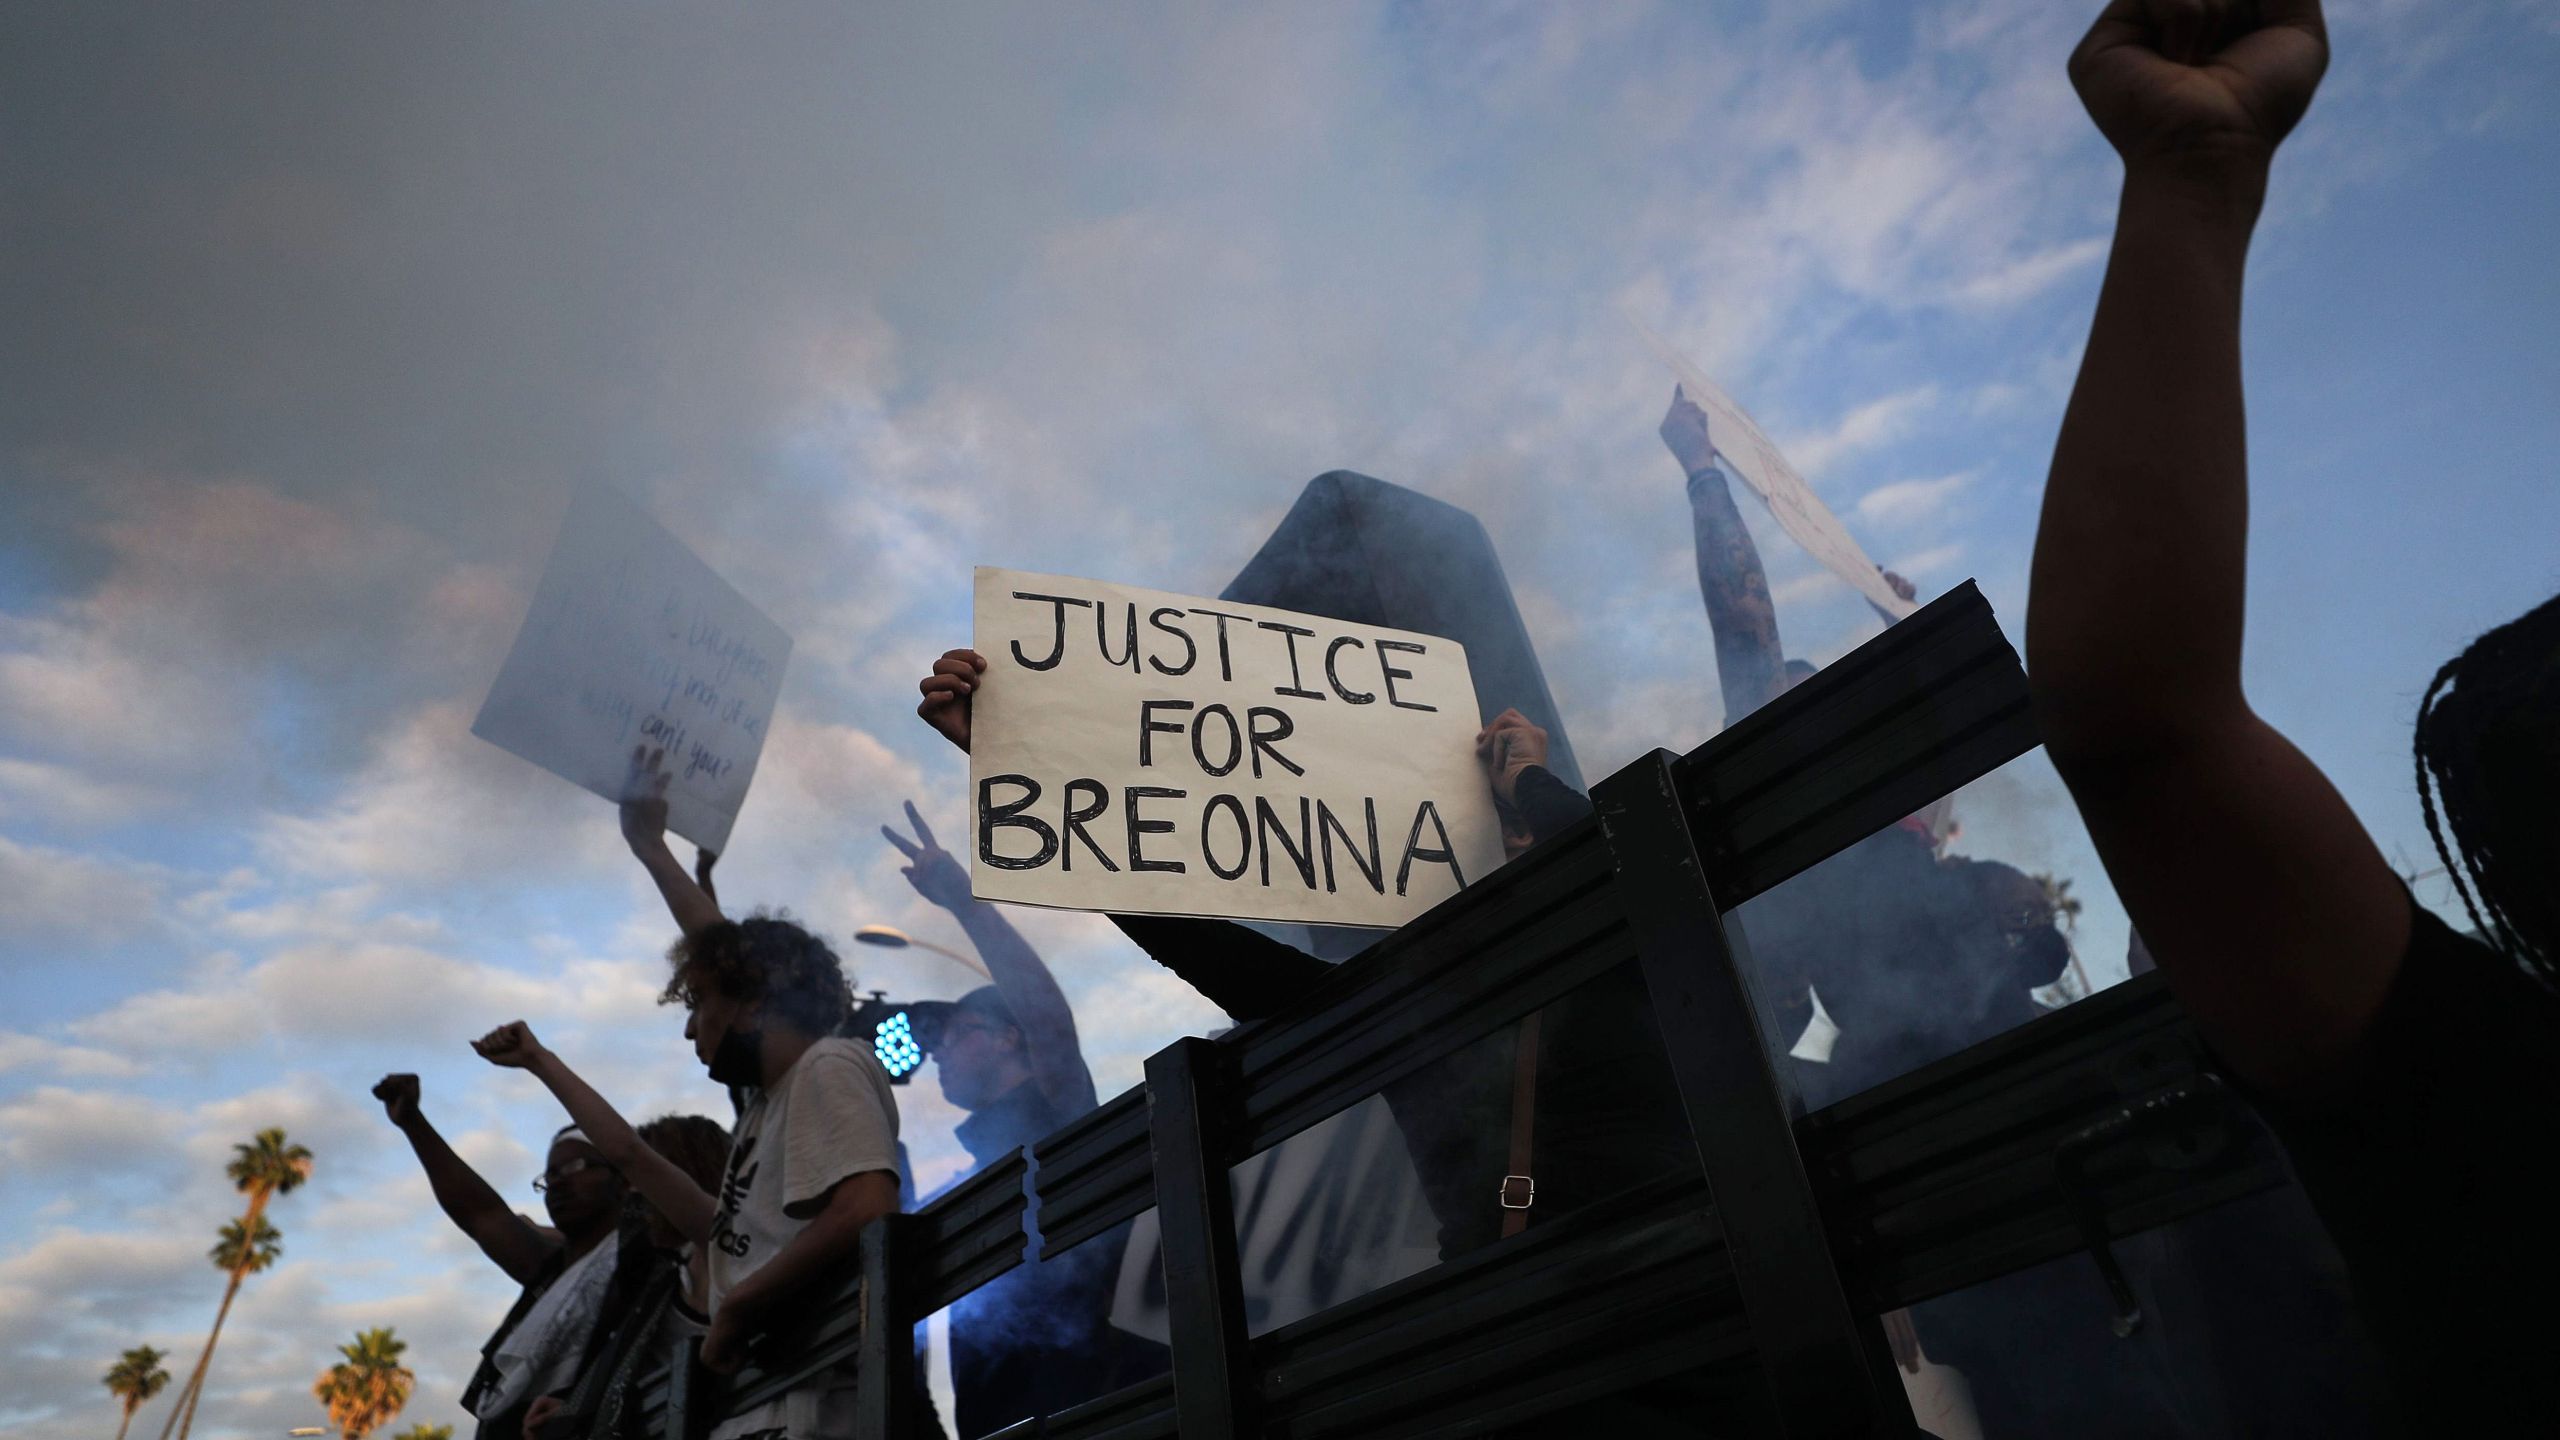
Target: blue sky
x=319 y=314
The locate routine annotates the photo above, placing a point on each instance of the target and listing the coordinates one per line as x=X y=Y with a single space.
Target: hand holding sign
x=1507 y=747
x=1210 y=758
x=1753 y=458
x=946 y=705
x=1684 y=431
x=644 y=801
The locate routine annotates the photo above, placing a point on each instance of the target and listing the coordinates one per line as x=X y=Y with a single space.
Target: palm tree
x=2057 y=893
x=365 y=1390
x=265 y=1167
x=136 y=1377
x=424 y=1431
x=238 y=1251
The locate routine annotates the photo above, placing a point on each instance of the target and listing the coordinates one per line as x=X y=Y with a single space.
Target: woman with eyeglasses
x=564 y=1267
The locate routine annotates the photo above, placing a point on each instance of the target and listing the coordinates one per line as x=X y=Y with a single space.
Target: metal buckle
x=1529 y=1192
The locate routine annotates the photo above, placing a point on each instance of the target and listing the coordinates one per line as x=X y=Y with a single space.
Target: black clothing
x=2425 y=1166
x=1547 y=803
x=1909 y=960
x=605 y=1403
x=1037 y=1338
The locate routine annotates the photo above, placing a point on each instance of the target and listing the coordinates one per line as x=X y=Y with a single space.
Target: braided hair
x=2488 y=757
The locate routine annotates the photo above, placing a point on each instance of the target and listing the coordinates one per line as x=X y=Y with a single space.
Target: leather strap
x=1524 y=1118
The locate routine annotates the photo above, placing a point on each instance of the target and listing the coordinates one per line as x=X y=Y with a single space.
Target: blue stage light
x=895 y=1043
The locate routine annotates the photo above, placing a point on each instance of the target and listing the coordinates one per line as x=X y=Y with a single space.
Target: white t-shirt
x=830 y=1117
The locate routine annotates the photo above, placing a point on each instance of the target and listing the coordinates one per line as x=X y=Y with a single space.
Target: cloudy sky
x=320 y=311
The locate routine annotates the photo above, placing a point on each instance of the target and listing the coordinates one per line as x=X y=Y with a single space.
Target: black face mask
x=739 y=1058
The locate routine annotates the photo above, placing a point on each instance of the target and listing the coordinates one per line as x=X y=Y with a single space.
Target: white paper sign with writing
x=632 y=641
x=1755 y=458
x=1162 y=754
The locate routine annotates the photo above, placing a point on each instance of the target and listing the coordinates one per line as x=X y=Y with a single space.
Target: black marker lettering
x=1137 y=827
x=1349 y=695
x=1413 y=845
x=1244 y=837
x=1102 y=634
x=1078 y=817
x=1371 y=866
x=1190 y=651
x=1268 y=826
x=1058 y=633
x=1149 y=727
x=1266 y=742
x=1235 y=739
x=1388 y=668
x=1290 y=634
x=1225 y=670
x=993 y=817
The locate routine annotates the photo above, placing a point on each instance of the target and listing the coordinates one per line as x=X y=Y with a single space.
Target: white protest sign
x=1161 y=754
x=1753 y=457
x=632 y=641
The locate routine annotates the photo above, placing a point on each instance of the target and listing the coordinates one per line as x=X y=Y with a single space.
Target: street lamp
x=890 y=937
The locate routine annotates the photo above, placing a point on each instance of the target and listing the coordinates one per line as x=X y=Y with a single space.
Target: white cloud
x=1805 y=588
x=435 y=804
x=1936 y=560
x=2032 y=275
x=1907 y=502
x=51 y=1057
x=70 y=899
x=59 y=1130
x=34 y=790
x=344 y=995
x=1865 y=427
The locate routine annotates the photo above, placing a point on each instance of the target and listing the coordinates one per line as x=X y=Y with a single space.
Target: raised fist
x=2200 y=80
x=511 y=1045
x=399 y=1097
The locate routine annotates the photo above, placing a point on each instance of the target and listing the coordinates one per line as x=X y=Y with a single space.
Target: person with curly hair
x=814 y=1156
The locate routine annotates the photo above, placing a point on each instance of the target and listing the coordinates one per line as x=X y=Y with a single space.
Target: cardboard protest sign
x=1754 y=457
x=1164 y=754
x=631 y=640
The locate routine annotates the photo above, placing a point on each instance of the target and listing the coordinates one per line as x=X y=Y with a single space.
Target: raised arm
x=515 y=1244
x=644 y=829
x=1039 y=1007
x=661 y=1180
x=2274 y=915
x=1740 y=614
